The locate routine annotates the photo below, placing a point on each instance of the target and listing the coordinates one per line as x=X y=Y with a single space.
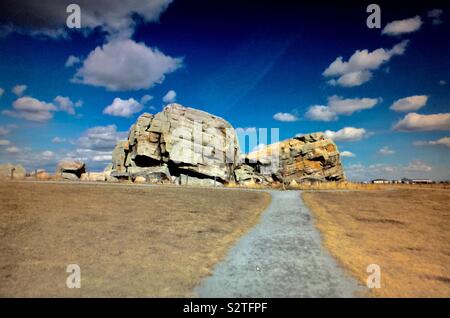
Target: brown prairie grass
x=405 y=231
x=341 y=185
x=344 y=185
x=129 y=241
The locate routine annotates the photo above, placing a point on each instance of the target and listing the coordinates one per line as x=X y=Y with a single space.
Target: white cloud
x=405 y=26
x=320 y=113
x=170 y=97
x=123 y=64
x=418 y=166
x=358 y=69
x=413 y=169
x=418 y=122
x=32 y=109
x=346 y=134
x=351 y=79
x=4 y=142
x=350 y=105
x=96 y=144
x=48 y=17
x=381 y=168
x=444 y=141
x=2 y=91
x=435 y=16
x=145 y=99
x=89 y=155
x=58 y=140
x=339 y=106
x=72 y=60
x=12 y=150
x=102 y=157
x=347 y=154
x=101 y=138
x=66 y=105
x=18 y=90
x=385 y=151
x=47 y=154
x=442 y=82
x=411 y=103
x=285 y=117
x=5 y=130
x=123 y=107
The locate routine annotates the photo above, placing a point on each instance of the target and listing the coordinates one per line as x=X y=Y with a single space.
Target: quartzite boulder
x=302 y=158
x=12 y=171
x=178 y=141
x=71 y=170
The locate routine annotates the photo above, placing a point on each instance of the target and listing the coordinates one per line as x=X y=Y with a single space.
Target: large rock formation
x=307 y=158
x=187 y=146
x=178 y=145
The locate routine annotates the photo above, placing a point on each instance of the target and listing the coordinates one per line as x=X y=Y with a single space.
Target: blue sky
x=382 y=94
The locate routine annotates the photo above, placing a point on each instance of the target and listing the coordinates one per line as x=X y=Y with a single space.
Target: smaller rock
x=12 y=171
x=156 y=174
x=69 y=176
x=96 y=176
x=43 y=176
x=140 y=179
x=76 y=168
x=107 y=173
x=206 y=182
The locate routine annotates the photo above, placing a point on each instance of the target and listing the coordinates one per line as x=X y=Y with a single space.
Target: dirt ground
x=129 y=241
x=405 y=232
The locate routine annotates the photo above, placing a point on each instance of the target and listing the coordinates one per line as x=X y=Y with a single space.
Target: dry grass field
x=405 y=231
x=128 y=240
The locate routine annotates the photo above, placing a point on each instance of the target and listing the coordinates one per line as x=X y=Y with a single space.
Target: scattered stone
x=12 y=171
x=107 y=173
x=70 y=170
x=193 y=181
x=69 y=176
x=93 y=176
x=41 y=174
x=140 y=179
x=156 y=174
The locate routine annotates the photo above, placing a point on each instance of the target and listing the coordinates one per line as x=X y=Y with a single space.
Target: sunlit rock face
x=180 y=141
x=310 y=157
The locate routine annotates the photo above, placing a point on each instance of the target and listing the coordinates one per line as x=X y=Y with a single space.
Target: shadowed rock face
x=187 y=146
x=181 y=141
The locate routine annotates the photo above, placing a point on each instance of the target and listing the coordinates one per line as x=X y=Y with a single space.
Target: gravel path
x=282 y=256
